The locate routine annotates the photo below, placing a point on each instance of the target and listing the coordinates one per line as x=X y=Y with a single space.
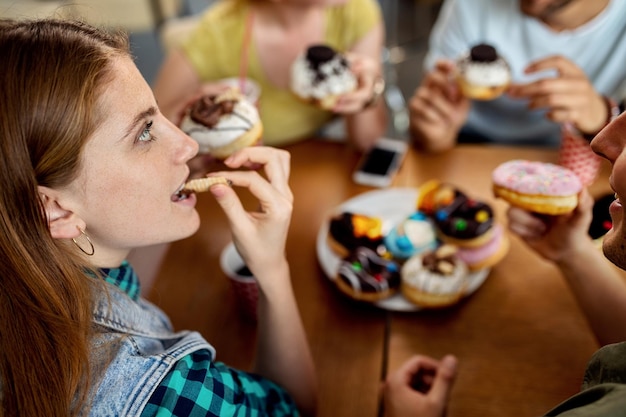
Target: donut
x=223 y=124
x=434 y=279
x=348 y=231
x=540 y=187
x=320 y=75
x=413 y=235
x=458 y=219
x=487 y=255
x=482 y=74
x=365 y=276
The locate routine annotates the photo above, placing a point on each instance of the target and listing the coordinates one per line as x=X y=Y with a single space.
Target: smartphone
x=379 y=165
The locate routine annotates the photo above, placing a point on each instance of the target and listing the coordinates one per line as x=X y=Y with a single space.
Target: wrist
x=378 y=88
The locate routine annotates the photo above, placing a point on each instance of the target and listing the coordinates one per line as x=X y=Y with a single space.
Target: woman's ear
x=63 y=223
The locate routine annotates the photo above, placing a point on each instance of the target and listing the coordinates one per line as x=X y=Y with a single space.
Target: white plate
x=392 y=205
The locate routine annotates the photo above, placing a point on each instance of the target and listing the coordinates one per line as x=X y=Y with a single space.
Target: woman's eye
x=146 y=135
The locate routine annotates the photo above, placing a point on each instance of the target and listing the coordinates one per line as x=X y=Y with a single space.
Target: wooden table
x=522 y=342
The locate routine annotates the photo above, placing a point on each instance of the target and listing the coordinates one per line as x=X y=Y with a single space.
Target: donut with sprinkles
x=540 y=187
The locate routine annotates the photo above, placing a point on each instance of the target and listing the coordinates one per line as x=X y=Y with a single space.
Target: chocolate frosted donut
x=464 y=218
x=364 y=275
x=347 y=231
x=223 y=124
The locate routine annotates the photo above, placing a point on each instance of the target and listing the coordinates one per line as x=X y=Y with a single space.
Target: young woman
x=261 y=39
x=90 y=170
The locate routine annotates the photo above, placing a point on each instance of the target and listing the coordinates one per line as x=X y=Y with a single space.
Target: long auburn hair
x=51 y=74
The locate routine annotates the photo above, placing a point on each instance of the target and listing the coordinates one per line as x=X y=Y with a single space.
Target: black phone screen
x=378 y=161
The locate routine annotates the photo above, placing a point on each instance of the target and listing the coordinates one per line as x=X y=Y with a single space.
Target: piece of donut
x=482 y=74
x=412 y=235
x=365 y=276
x=540 y=187
x=200 y=185
x=321 y=75
x=223 y=124
x=348 y=231
x=434 y=279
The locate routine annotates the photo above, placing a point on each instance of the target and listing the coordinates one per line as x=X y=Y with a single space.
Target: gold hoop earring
x=83 y=234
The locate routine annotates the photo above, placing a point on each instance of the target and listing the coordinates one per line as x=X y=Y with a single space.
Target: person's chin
x=613 y=247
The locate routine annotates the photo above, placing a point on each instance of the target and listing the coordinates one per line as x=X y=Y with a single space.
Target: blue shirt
x=597 y=47
x=198 y=386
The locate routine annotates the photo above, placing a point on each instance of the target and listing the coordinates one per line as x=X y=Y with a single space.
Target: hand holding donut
x=366 y=71
x=260 y=235
x=438 y=110
x=555 y=238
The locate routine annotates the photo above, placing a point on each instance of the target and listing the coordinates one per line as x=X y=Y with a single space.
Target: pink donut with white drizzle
x=540 y=187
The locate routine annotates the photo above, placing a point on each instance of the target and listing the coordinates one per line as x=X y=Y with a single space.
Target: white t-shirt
x=598 y=47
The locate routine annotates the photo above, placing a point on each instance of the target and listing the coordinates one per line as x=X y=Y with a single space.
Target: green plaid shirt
x=197 y=386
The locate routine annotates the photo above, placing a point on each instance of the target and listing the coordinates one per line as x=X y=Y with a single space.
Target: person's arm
x=437 y=110
x=420 y=387
x=366 y=121
x=283 y=354
x=599 y=288
x=568 y=97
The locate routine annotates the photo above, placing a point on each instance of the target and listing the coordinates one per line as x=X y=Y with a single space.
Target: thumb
x=444 y=378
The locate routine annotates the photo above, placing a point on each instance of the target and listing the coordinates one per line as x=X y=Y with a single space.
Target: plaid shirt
x=197 y=386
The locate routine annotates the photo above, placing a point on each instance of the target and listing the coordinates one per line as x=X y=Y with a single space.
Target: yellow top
x=214 y=49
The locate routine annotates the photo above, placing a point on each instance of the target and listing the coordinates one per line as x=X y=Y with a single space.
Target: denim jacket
x=133 y=350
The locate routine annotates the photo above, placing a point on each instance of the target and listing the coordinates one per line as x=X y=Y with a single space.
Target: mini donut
x=482 y=74
x=223 y=124
x=348 y=231
x=487 y=255
x=434 y=279
x=365 y=276
x=459 y=220
x=321 y=75
x=413 y=235
x=540 y=187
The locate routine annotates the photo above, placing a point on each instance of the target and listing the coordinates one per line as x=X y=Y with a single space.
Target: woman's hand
x=366 y=71
x=259 y=235
x=555 y=238
x=420 y=387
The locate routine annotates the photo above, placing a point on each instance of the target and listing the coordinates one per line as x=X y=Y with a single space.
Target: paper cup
x=244 y=285
x=576 y=154
x=251 y=90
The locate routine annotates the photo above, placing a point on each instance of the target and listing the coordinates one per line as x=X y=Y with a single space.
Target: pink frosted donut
x=537 y=186
x=488 y=254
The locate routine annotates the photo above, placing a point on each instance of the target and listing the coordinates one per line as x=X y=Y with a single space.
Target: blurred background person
x=260 y=39
x=567 y=61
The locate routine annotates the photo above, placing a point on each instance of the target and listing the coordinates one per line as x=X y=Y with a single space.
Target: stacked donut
x=427 y=255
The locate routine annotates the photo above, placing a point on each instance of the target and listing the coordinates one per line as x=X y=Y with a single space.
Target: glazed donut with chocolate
x=348 y=231
x=540 y=187
x=321 y=75
x=459 y=220
x=434 y=279
x=223 y=124
x=365 y=276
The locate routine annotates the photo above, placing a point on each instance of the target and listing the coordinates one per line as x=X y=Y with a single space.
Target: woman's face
x=132 y=168
x=611 y=144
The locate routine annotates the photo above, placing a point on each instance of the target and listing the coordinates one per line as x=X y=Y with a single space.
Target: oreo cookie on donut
x=539 y=187
x=321 y=75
